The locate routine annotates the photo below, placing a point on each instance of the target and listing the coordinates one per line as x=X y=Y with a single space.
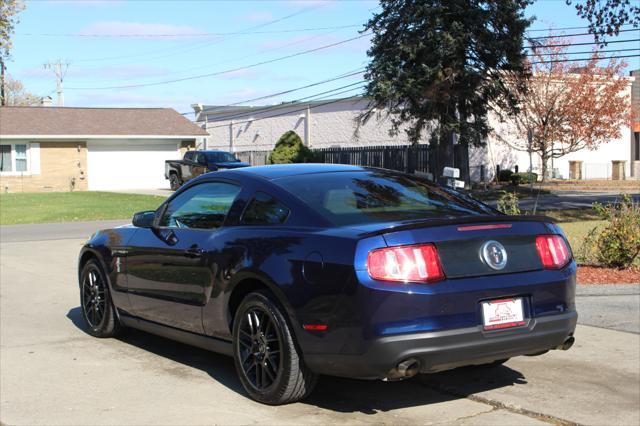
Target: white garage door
x=128 y=164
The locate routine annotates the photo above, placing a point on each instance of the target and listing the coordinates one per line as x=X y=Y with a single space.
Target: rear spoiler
x=428 y=223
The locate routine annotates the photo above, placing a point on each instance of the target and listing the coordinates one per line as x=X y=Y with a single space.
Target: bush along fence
x=404 y=158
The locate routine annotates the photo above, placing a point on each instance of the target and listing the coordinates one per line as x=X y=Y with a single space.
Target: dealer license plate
x=503 y=313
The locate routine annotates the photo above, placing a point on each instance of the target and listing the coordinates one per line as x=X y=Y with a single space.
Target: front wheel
x=267 y=361
x=98 y=311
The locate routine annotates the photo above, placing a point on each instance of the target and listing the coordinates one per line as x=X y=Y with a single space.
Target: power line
x=284 y=105
x=584 y=52
x=585 y=59
x=564 y=28
x=533 y=46
x=158 y=83
x=285 y=113
x=152 y=35
x=339 y=77
x=578 y=34
x=192 y=46
x=187 y=71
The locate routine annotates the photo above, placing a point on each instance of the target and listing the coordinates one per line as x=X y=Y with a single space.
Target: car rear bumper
x=444 y=350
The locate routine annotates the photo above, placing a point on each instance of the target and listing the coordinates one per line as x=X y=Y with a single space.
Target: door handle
x=193 y=252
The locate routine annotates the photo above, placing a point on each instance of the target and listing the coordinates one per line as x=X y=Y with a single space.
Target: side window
x=188 y=155
x=202 y=207
x=263 y=209
x=199 y=158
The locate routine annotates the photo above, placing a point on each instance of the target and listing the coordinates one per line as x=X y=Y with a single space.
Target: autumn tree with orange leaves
x=565 y=106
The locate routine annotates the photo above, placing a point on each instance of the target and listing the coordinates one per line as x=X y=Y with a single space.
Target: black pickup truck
x=196 y=163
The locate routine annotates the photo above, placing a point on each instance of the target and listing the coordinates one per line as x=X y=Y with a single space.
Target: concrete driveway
x=52 y=372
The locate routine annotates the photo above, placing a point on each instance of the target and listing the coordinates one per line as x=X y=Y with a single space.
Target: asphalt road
x=560 y=200
x=52 y=372
x=56 y=231
x=616 y=307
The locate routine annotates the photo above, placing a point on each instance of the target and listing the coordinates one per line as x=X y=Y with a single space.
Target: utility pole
x=530 y=142
x=2 y=84
x=59 y=68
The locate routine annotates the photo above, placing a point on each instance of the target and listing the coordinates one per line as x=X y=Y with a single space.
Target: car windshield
x=351 y=198
x=221 y=157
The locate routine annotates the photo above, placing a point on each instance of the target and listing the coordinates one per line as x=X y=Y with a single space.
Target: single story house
x=63 y=149
x=332 y=123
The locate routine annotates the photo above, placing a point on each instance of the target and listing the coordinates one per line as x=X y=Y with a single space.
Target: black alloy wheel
x=98 y=311
x=94 y=300
x=268 y=362
x=260 y=344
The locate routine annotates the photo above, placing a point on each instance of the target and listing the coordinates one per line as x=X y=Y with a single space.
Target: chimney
x=46 y=101
x=197 y=109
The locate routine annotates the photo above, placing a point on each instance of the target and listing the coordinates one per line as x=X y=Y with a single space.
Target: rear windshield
x=349 y=198
x=221 y=157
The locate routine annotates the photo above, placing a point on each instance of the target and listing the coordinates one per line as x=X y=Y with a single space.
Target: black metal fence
x=404 y=158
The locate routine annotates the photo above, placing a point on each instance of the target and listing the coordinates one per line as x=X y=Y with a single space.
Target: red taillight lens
x=406 y=263
x=553 y=251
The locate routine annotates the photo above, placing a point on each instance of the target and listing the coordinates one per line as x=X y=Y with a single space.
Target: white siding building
x=325 y=124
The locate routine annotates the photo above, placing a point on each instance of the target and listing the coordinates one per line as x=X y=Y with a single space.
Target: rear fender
x=224 y=312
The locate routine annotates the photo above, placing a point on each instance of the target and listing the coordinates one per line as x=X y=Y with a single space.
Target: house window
x=21 y=158
x=5 y=160
x=13 y=158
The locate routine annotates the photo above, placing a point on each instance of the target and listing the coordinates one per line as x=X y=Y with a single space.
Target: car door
x=200 y=165
x=187 y=164
x=170 y=267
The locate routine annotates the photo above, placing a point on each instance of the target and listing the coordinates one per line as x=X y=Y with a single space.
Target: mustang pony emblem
x=494 y=255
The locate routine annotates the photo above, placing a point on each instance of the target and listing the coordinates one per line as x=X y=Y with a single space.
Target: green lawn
x=577 y=231
x=72 y=206
x=570 y=215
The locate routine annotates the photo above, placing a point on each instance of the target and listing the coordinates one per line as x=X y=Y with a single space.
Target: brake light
x=553 y=251
x=405 y=263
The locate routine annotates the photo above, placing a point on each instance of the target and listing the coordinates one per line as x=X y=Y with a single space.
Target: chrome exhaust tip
x=566 y=345
x=404 y=370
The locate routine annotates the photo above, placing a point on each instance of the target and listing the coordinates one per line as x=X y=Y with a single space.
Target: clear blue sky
x=110 y=56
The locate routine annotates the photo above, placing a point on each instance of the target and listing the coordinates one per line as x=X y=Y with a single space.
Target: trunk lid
x=475 y=245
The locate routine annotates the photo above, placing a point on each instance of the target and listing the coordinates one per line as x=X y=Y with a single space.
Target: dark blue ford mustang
x=300 y=270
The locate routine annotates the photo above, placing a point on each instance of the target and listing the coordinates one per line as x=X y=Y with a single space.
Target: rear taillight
x=405 y=263
x=553 y=251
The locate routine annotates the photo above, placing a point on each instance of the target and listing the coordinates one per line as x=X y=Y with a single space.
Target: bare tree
x=565 y=106
x=16 y=95
x=9 y=10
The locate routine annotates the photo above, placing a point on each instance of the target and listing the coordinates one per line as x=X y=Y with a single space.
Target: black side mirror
x=144 y=219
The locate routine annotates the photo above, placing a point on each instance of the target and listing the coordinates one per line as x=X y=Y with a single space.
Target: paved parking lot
x=52 y=372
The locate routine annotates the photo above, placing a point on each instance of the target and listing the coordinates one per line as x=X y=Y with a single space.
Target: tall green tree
x=437 y=65
x=9 y=10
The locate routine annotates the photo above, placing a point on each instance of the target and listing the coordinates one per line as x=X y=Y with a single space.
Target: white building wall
x=334 y=125
x=330 y=126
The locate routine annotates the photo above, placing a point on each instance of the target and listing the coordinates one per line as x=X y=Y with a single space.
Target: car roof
x=276 y=171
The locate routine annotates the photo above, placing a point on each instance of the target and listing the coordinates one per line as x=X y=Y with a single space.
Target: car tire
x=174 y=182
x=98 y=311
x=267 y=360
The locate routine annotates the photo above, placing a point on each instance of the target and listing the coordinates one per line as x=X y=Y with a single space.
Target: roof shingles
x=68 y=121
